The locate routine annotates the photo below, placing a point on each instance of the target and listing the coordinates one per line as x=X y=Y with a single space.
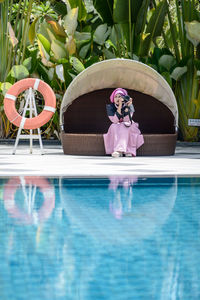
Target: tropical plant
x=185 y=72
x=134 y=27
x=51 y=36
x=13 y=43
x=69 y=44
x=177 y=59
x=66 y=36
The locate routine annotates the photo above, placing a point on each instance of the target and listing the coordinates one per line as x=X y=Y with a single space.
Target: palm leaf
x=105 y=10
x=154 y=27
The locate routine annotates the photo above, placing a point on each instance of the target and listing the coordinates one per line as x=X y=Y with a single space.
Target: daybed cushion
x=92 y=144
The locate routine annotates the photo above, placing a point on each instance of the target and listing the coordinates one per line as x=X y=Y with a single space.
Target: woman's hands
x=119 y=104
x=119 y=101
x=129 y=102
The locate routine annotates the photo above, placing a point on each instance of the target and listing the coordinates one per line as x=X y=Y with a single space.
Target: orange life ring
x=20 y=86
x=21 y=216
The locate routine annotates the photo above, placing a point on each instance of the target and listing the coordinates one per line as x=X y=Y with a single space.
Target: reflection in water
x=89 y=209
x=121 y=246
x=116 y=238
x=25 y=189
x=121 y=203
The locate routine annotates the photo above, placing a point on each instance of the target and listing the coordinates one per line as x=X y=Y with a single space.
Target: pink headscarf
x=117 y=91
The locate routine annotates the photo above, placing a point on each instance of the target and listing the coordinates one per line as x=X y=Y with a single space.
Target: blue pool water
x=112 y=238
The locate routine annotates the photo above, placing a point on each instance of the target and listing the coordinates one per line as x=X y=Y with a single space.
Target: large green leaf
x=43 y=73
x=122 y=9
x=5 y=86
x=101 y=34
x=82 y=13
x=19 y=72
x=77 y=64
x=60 y=8
x=82 y=38
x=127 y=36
x=105 y=10
x=71 y=45
x=70 y=21
x=141 y=17
x=46 y=44
x=59 y=49
x=42 y=50
x=43 y=30
x=50 y=34
x=156 y=21
x=57 y=28
x=28 y=63
x=186 y=10
x=31 y=33
x=116 y=34
x=84 y=50
x=155 y=26
x=135 y=8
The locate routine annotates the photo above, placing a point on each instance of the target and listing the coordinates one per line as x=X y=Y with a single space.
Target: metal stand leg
x=38 y=130
x=29 y=198
x=31 y=107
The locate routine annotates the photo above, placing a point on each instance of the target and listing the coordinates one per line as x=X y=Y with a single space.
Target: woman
x=123 y=136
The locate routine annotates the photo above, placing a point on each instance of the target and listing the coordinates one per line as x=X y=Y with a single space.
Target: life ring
x=20 y=86
x=20 y=215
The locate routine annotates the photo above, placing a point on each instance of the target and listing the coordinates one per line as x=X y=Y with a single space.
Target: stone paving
x=185 y=162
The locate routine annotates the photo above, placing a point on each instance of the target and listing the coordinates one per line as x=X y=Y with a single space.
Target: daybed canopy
x=83 y=117
x=126 y=73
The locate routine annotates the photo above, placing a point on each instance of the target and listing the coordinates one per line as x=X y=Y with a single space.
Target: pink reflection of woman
x=123 y=136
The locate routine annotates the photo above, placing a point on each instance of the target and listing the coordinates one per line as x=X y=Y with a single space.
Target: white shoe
x=116 y=154
x=128 y=155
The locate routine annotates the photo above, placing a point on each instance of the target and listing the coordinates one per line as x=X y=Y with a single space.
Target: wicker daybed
x=83 y=117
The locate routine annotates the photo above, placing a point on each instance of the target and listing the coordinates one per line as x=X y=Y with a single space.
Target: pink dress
x=122 y=138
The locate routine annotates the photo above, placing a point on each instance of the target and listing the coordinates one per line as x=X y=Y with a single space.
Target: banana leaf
x=154 y=27
x=105 y=9
x=126 y=10
x=185 y=75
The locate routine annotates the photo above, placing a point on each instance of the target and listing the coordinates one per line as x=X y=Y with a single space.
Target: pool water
x=109 y=238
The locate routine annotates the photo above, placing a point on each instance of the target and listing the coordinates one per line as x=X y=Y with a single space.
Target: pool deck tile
x=185 y=162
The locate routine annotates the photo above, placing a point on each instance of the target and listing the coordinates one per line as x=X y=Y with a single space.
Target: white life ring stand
x=20 y=215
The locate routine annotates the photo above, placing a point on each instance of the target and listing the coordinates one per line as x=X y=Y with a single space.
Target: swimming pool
x=108 y=238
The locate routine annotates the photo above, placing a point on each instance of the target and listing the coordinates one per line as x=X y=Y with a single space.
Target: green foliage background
x=56 y=40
